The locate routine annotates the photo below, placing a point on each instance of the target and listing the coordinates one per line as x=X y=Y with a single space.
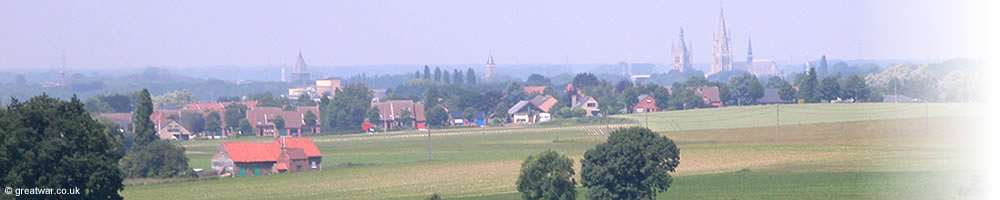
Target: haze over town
x=343 y=33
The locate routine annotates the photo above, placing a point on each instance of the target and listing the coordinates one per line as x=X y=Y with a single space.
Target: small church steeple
x=749 y=52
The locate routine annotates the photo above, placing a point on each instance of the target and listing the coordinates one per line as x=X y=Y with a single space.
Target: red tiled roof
x=390 y=110
x=304 y=143
x=257 y=116
x=253 y=152
x=534 y=89
x=296 y=153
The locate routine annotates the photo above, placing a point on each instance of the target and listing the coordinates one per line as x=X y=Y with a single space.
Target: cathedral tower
x=722 y=58
x=681 y=55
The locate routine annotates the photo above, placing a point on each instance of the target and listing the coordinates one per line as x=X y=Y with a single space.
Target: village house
x=646 y=104
x=263 y=158
x=586 y=103
x=262 y=120
x=172 y=130
x=391 y=114
x=205 y=107
x=524 y=112
x=709 y=94
x=544 y=102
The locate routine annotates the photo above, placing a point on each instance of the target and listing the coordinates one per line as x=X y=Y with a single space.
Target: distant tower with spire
x=681 y=55
x=722 y=58
x=749 y=52
x=301 y=72
x=491 y=68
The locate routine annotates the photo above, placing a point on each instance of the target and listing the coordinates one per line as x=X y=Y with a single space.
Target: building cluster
x=285 y=154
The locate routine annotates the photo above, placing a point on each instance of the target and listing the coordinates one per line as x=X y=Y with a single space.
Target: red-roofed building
x=646 y=104
x=534 y=89
x=391 y=114
x=262 y=158
x=710 y=94
x=262 y=119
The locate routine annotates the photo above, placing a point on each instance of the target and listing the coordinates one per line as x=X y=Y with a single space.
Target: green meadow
x=820 y=151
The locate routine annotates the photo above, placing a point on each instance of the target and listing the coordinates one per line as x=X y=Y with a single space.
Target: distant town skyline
x=237 y=33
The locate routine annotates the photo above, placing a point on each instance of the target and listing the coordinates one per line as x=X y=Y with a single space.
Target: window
x=313 y=164
x=591 y=105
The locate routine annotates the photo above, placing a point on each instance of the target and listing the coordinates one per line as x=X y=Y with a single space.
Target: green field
x=843 y=151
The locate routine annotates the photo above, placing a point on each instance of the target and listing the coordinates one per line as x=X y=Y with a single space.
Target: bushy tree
x=662 y=96
x=279 y=124
x=233 y=114
x=584 y=80
x=427 y=72
x=746 y=89
x=437 y=116
x=855 y=88
x=245 y=129
x=514 y=93
x=437 y=74
x=193 y=121
x=158 y=159
x=213 y=124
x=547 y=175
x=305 y=100
x=431 y=97
x=500 y=112
x=374 y=116
x=142 y=126
x=48 y=143
x=787 y=92
x=309 y=118
x=829 y=88
x=537 y=80
x=348 y=109
x=447 y=77
x=175 y=98
x=470 y=76
x=469 y=114
x=808 y=88
x=633 y=164
x=406 y=117
x=458 y=77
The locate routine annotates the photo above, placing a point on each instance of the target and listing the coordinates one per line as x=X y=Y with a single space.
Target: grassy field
x=726 y=153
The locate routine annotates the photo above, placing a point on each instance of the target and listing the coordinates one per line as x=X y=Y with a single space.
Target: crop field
x=821 y=152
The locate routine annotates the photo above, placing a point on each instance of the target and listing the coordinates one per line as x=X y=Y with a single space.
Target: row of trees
x=634 y=163
x=457 y=76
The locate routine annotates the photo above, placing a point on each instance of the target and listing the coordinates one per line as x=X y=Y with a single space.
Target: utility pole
x=777 y=121
x=429 y=158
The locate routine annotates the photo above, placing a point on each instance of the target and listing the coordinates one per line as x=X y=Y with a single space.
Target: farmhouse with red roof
x=262 y=158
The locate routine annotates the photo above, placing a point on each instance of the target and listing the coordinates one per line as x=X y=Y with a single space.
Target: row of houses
x=167 y=122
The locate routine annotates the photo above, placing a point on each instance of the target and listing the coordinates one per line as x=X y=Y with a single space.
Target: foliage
x=513 y=93
x=633 y=164
x=808 y=87
x=427 y=72
x=347 y=110
x=193 y=121
x=309 y=118
x=579 y=112
x=787 y=92
x=458 y=77
x=268 y=100
x=547 y=175
x=662 y=96
x=855 y=88
x=775 y=82
x=500 y=112
x=829 y=88
x=585 y=80
x=174 y=99
x=469 y=114
x=431 y=97
x=48 y=143
x=228 y=99
x=470 y=76
x=373 y=115
x=232 y=115
x=437 y=74
x=447 y=77
x=213 y=123
x=746 y=89
x=244 y=128
x=437 y=116
x=142 y=126
x=406 y=117
x=920 y=82
x=279 y=123
x=685 y=98
x=305 y=100
x=158 y=159
x=113 y=103
x=537 y=80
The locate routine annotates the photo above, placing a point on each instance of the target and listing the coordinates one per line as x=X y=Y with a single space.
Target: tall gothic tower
x=491 y=68
x=300 y=73
x=681 y=55
x=722 y=58
x=749 y=52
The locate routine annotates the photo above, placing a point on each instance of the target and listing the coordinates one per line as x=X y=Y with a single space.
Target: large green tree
x=142 y=126
x=547 y=175
x=347 y=110
x=470 y=76
x=808 y=88
x=745 y=89
x=48 y=143
x=584 y=80
x=437 y=116
x=427 y=72
x=194 y=121
x=244 y=128
x=855 y=88
x=829 y=88
x=233 y=114
x=633 y=164
x=213 y=123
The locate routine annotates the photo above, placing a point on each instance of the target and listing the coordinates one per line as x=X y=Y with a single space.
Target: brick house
x=710 y=94
x=172 y=130
x=586 y=103
x=262 y=120
x=646 y=104
x=263 y=158
x=390 y=112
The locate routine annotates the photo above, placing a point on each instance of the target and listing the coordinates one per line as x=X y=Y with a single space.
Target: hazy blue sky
x=205 y=33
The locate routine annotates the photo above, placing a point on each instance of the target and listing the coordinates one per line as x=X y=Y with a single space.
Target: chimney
x=572 y=101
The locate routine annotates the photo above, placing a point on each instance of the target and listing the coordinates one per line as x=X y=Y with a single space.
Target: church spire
x=749 y=52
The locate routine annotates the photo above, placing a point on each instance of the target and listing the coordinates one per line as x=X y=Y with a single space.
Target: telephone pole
x=429 y=158
x=777 y=121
